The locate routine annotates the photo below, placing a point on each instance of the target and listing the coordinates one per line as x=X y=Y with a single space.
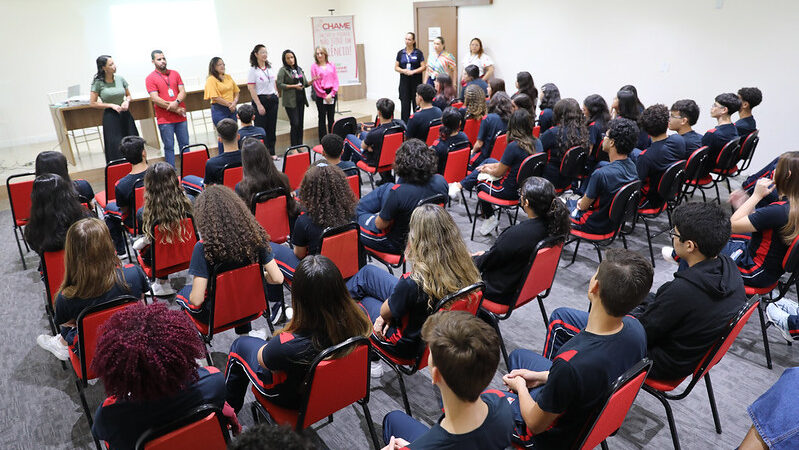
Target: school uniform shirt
x=551 y=145
x=226 y=89
x=443 y=147
x=167 y=86
x=490 y=126
x=121 y=422
x=595 y=132
x=400 y=202
x=374 y=140
x=581 y=375
x=655 y=160
x=263 y=80
x=766 y=247
x=493 y=433
x=481 y=61
x=746 y=126
x=602 y=186
x=409 y=310
x=546 y=119
x=419 y=123
x=124 y=190
x=513 y=157
x=250 y=130
x=442 y=102
x=502 y=266
x=215 y=167
x=643 y=140
x=479 y=82
x=113 y=92
x=199 y=266
x=288 y=357
x=307 y=233
x=717 y=138
x=693 y=141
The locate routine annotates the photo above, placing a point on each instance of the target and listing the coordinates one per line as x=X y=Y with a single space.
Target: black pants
x=296 y=119
x=328 y=112
x=269 y=120
x=407 y=94
x=116 y=125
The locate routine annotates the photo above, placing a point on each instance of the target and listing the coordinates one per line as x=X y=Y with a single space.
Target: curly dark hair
x=550 y=95
x=688 y=109
x=655 y=120
x=752 y=95
x=539 y=193
x=415 y=162
x=54 y=208
x=501 y=105
x=597 y=109
x=327 y=196
x=267 y=436
x=230 y=232
x=729 y=101
x=147 y=353
x=624 y=133
x=572 y=130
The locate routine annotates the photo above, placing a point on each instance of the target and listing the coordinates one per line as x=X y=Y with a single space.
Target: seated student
x=739 y=196
x=445 y=92
x=92 y=275
x=496 y=85
x=774 y=424
x=555 y=395
x=597 y=116
x=440 y=265
x=367 y=146
x=471 y=76
x=118 y=211
x=450 y=138
x=419 y=123
x=230 y=235
x=502 y=266
x=750 y=97
x=627 y=105
x=459 y=344
x=499 y=110
x=520 y=100
x=591 y=213
x=227 y=131
x=328 y=202
x=54 y=208
x=260 y=174
x=526 y=85
x=662 y=152
x=246 y=113
x=325 y=315
x=569 y=131
x=550 y=96
x=56 y=162
x=521 y=144
x=384 y=213
x=685 y=316
x=267 y=436
x=474 y=104
x=166 y=382
x=332 y=146
x=683 y=115
x=724 y=106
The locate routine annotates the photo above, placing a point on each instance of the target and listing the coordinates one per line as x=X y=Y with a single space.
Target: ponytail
x=557 y=219
x=101 y=62
x=540 y=196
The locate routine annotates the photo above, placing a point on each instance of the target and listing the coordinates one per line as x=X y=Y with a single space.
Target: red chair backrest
x=695 y=165
x=537 y=131
x=138 y=202
x=296 y=164
x=432 y=134
x=341 y=246
x=89 y=323
x=202 y=428
x=457 y=105
x=500 y=142
x=723 y=344
x=457 y=165
x=115 y=171
x=237 y=295
x=19 y=195
x=231 y=176
x=175 y=256
x=269 y=208
x=192 y=162
x=53 y=270
x=388 y=151
x=471 y=128
x=355 y=185
x=541 y=272
x=467 y=299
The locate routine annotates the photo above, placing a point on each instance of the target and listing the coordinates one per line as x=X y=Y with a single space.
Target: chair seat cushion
x=652 y=211
x=372 y=169
x=496 y=200
x=704 y=181
x=317 y=149
x=750 y=291
x=726 y=172
x=591 y=236
x=664 y=385
x=495 y=308
x=281 y=415
x=389 y=258
x=101 y=199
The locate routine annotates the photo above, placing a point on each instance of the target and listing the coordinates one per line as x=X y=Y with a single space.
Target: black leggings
x=269 y=120
x=116 y=125
x=297 y=121
x=325 y=111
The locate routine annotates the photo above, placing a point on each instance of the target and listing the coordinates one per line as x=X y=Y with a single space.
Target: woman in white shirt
x=480 y=59
x=261 y=84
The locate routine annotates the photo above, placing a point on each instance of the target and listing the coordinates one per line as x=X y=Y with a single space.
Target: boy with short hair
x=683 y=115
x=464 y=354
x=662 y=152
x=750 y=97
x=367 y=146
x=419 y=123
x=332 y=146
x=246 y=113
x=118 y=211
x=230 y=155
x=723 y=107
x=554 y=398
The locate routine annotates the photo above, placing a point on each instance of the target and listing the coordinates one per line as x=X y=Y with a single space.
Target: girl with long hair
x=54 y=208
x=626 y=104
x=261 y=84
x=502 y=266
x=494 y=86
x=569 y=131
x=495 y=122
x=441 y=265
x=291 y=83
x=93 y=275
x=324 y=315
x=325 y=89
x=526 y=85
x=597 y=116
x=520 y=100
x=261 y=174
x=221 y=90
x=445 y=91
x=56 y=162
x=450 y=138
x=110 y=93
x=474 y=103
x=550 y=95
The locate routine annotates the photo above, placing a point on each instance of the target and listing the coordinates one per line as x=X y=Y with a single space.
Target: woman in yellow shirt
x=222 y=91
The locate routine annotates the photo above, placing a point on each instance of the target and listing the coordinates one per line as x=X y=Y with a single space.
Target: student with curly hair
x=450 y=137
x=54 y=208
x=502 y=266
x=384 y=213
x=526 y=85
x=324 y=315
x=750 y=97
x=683 y=115
x=474 y=104
x=92 y=275
x=56 y=162
x=145 y=358
x=496 y=122
x=231 y=236
x=260 y=174
x=550 y=96
x=328 y=202
x=716 y=138
x=569 y=131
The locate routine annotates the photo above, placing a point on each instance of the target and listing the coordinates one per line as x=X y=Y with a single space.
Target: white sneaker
x=780 y=320
x=162 y=288
x=668 y=254
x=454 y=190
x=376 y=369
x=488 y=225
x=788 y=306
x=260 y=334
x=53 y=345
x=289 y=313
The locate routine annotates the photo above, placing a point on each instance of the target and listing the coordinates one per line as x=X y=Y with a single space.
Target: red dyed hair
x=147 y=353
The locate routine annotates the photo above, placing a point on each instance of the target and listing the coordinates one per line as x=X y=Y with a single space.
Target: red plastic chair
x=472 y=128
x=19 y=197
x=342 y=246
x=232 y=174
x=114 y=171
x=536 y=131
x=500 y=143
x=661 y=388
x=53 y=271
x=695 y=172
x=457 y=167
x=337 y=378
x=296 y=162
x=668 y=189
x=392 y=140
x=537 y=283
x=169 y=258
x=341 y=127
x=200 y=428
x=572 y=164
x=467 y=299
x=270 y=210
x=192 y=162
x=457 y=105
x=354 y=180
x=714 y=171
x=433 y=131
x=748 y=146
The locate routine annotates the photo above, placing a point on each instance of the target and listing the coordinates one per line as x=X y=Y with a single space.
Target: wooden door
x=432 y=22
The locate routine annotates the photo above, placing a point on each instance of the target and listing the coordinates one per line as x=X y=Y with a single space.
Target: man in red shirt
x=167 y=93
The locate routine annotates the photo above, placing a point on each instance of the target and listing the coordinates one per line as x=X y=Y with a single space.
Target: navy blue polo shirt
x=479 y=82
x=199 y=266
x=307 y=233
x=409 y=307
x=602 y=186
x=250 y=130
x=746 y=126
x=693 y=141
x=643 y=140
x=489 y=127
x=546 y=119
x=374 y=140
x=595 y=132
x=124 y=190
x=717 y=138
x=400 y=202
x=412 y=61
x=657 y=158
x=766 y=247
x=288 y=356
x=419 y=123
x=444 y=146
x=513 y=157
x=215 y=167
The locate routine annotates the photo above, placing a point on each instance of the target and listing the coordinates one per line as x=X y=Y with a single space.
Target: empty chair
x=296 y=162
x=192 y=160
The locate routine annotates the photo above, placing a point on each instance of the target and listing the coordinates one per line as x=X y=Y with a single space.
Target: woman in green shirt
x=110 y=93
x=291 y=83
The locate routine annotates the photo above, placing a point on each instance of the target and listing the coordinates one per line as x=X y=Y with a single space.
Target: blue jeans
x=398 y=424
x=286 y=260
x=168 y=133
x=366 y=212
x=219 y=112
x=772 y=413
x=371 y=286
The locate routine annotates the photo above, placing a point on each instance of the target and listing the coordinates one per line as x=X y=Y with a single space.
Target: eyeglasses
x=716 y=105
x=672 y=116
x=673 y=234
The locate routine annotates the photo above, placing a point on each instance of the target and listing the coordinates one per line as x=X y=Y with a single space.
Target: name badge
x=170 y=92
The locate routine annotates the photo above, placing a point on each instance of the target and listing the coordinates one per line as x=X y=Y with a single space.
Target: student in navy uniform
x=526 y=85
x=627 y=105
x=445 y=92
x=230 y=155
x=550 y=96
x=520 y=100
x=554 y=398
x=54 y=208
x=750 y=97
x=118 y=211
x=88 y=243
x=384 y=213
x=597 y=116
x=410 y=64
x=723 y=107
x=502 y=266
x=440 y=265
x=569 y=131
x=246 y=113
x=328 y=202
x=56 y=162
x=260 y=174
x=450 y=138
x=739 y=196
x=662 y=152
x=332 y=147
x=419 y=123
x=499 y=110
x=367 y=146
x=166 y=383
x=324 y=315
x=471 y=76
x=459 y=344
x=683 y=115
x=591 y=213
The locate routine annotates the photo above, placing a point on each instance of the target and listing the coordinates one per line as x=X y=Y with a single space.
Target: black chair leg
x=604 y=445
x=404 y=393
x=675 y=439
x=763 y=328
x=83 y=402
x=649 y=241
x=543 y=312
x=576 y=247
x=599 y=252
x=712 y=399
x=474 y=222
x=466 y=205
x=19 y=247
x=371 y=425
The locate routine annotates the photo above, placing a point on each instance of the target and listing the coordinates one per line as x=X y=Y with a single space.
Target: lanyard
x=166 y=79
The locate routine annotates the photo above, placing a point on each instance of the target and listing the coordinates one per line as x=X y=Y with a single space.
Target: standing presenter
x=410 y=64
x=167 y=93
x=110 y=93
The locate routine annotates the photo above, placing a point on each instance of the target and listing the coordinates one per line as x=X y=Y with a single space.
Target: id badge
x=170 y=92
